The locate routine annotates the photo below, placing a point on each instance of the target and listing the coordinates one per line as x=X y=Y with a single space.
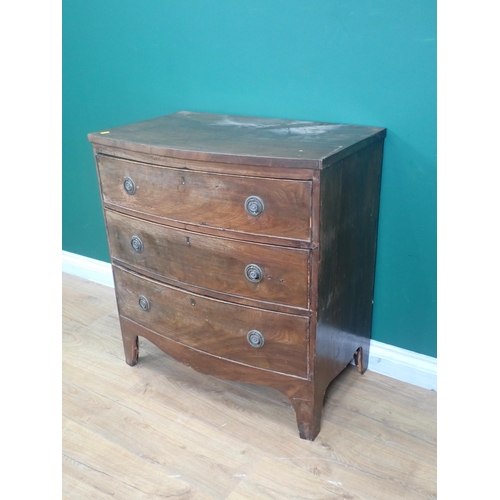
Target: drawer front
x=210 y=262
x=214 y=326
x=212 y=200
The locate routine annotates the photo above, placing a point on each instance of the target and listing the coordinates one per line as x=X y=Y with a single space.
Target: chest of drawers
x=245 y=247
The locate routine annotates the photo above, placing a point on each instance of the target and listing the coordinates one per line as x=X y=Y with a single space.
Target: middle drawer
x=256 y=271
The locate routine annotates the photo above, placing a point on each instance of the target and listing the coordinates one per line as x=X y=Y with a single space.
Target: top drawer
x=267 y=207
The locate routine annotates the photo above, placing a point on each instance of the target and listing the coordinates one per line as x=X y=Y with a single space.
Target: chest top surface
x=227 y=139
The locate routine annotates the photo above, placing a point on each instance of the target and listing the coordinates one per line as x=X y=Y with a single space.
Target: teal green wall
x=368 y=62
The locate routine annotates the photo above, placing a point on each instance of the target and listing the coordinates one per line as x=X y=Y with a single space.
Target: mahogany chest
x=245 y=247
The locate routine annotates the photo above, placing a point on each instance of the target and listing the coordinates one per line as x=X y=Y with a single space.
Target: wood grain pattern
x=162 y=430
x=210 y=262
x=203 y=166
x=215 y=327
x=214 y=200
x=267 y=142
x=111 y=468
x=347 y=269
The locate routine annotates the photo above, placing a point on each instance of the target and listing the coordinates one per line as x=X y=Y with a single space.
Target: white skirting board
x=401 y=364
x=85 y=267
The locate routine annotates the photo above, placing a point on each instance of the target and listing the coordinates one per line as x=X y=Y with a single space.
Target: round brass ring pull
x=255 y=338
x=129 y=185
x=253 y=273
x=137 y=244
x=254 y=205
x=144 y=303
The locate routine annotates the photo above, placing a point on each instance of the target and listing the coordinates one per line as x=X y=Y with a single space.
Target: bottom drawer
x=256 y=337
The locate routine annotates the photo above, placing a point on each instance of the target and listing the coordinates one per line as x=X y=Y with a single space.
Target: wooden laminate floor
x=161 y=430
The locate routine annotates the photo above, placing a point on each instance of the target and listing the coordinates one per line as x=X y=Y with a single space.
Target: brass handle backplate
x=253 y=273
x=254 y=205
x=144 y=303
x=129 y=185
x=137 y=244
x=255 y=338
